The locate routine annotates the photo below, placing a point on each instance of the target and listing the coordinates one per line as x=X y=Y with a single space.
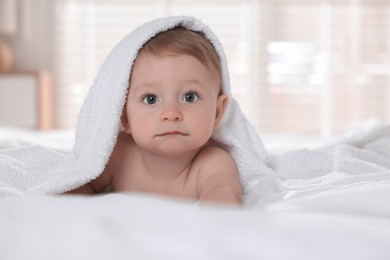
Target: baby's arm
x=95 y=186
x=104 y=180
x=116 y=161
x=85 y=189
x=218 y=180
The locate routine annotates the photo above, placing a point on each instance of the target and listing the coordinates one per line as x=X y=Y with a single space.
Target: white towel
x=40 y=170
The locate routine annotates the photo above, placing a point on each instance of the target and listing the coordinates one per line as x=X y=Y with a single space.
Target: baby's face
x=173 y=103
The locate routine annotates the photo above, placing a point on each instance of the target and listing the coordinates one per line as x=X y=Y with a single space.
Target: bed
x=318 y=217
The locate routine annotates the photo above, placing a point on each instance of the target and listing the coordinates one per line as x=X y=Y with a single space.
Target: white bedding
x=314 y=220
x=336 y=224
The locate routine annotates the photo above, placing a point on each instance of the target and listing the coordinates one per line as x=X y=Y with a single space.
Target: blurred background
x=298 y=67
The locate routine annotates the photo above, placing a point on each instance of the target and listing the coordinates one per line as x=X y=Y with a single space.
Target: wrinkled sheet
x=343 y=223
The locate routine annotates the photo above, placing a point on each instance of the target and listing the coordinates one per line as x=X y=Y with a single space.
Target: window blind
x=296 y=66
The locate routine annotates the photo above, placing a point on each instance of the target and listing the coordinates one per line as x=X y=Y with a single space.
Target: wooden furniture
x=26 y=100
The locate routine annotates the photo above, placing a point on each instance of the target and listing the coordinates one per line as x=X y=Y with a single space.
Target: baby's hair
x=183 y=41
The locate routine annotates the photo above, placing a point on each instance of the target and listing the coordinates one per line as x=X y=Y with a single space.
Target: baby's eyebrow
x=142 y=86
x=193 y=82
x=152 y=85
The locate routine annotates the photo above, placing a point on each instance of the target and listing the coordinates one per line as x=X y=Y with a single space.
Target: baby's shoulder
x=215 y=155
x=218 y=178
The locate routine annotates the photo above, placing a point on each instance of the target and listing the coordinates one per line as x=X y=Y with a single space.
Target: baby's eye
x=150 y=99
x=190 y=97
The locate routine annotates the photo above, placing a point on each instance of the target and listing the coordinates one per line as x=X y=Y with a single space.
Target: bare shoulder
x=218 y=179
x=213 y=155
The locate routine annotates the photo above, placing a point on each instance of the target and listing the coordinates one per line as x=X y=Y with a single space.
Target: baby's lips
x=172 y=133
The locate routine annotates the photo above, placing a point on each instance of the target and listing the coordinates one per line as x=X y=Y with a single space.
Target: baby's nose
x=171 y=113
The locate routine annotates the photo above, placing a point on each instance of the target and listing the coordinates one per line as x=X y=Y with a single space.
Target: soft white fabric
x=362 y=157
x=41 y=170
x=351 y=222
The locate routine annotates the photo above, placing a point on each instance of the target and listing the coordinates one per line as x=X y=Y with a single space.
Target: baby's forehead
x=170 y=65
x=181 y=40
x=145 y=57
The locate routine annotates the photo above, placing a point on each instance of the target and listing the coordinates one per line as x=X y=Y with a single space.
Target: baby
x=174 y=103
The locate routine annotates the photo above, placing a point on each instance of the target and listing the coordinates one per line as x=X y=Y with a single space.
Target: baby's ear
x=125 y=121
x=221 y=104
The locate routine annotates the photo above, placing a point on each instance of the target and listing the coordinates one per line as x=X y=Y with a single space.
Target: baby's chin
x=175 y=149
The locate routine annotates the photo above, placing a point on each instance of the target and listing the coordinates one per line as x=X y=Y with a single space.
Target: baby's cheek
x=206 y=130
x=141 y=139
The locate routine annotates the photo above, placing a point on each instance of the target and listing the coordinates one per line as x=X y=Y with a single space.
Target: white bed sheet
x=343 y=221
x=13 y=137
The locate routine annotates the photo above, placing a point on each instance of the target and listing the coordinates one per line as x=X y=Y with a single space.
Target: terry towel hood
x=98 y=126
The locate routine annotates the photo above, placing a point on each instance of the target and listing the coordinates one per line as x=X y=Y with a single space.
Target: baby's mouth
x=172 y=133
